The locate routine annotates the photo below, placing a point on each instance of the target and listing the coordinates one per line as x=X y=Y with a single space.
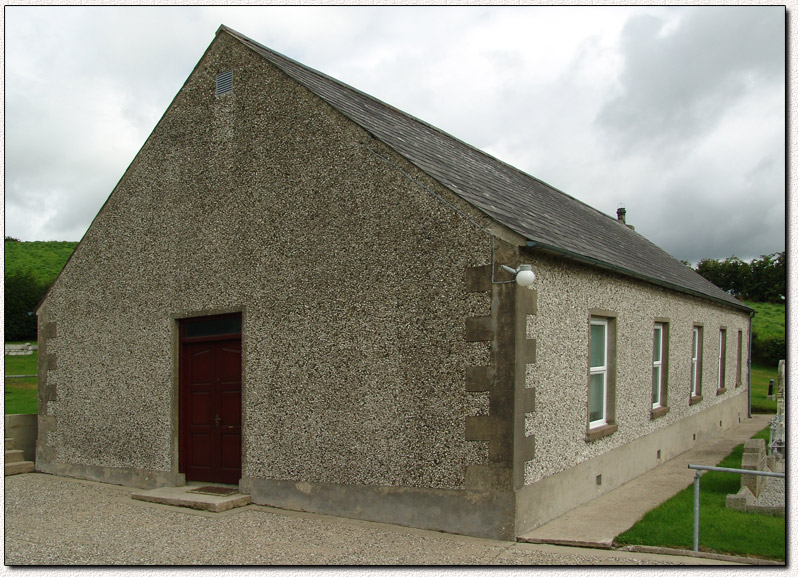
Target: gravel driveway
x=57 y=521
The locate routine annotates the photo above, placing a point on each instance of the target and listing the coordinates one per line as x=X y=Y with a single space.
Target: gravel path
x=56 y=521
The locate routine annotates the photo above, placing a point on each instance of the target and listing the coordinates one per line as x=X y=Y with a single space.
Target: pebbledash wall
x=350 y=277
x=348 y=273
x=389 y=371
x=569 y=468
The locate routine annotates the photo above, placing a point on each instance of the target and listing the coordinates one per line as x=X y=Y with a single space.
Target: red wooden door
x=210 y=408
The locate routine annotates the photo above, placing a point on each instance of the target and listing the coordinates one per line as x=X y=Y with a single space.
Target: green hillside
x=769 y=319
x=769 y=340
x=44 y=259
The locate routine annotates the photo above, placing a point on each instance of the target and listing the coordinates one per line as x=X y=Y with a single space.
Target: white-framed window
x=722 y=360
x=695 y=372
x=657 y=366
x=598 y=389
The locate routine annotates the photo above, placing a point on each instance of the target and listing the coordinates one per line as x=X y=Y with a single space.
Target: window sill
x=599 y=432
x=721 y=390
x=696 y=399
x=659 y=412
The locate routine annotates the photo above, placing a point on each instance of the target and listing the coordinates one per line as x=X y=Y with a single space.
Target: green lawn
x=760 y=380
x=21 y=395
x=721 y=530
x=22 y=364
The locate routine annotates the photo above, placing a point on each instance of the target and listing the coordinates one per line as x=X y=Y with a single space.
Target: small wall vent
x=224 y=83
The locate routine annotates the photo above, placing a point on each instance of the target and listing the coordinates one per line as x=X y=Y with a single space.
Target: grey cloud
x=85 y=86
x=81 y=103
x=695 y=218
x=676 y=86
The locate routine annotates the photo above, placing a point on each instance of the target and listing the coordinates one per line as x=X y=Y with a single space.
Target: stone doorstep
x=14 y=456
x=18 y=467
x=15 y=462
x=181 y=497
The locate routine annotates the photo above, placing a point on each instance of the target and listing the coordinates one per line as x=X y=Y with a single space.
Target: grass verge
x=760 y=380
x=22 y=364
x=21 y=396
x=721 y=530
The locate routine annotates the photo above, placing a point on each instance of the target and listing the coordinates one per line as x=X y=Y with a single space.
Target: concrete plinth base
x=476 y=513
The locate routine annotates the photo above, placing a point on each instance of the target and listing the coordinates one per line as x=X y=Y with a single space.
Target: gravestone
x=777 y=447
x=754 y=459
x=758 y=494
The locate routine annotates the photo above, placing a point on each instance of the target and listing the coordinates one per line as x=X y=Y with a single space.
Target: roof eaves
x=626 y=272
x=495 y=212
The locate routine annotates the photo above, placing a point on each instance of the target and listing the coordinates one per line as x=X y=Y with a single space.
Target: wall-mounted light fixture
x=523 y=276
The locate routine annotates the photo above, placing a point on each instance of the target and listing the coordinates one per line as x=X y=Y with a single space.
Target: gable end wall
x=351 y=276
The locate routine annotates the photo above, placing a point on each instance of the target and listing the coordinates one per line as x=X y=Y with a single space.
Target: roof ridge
x=525 y=204
x=245 y=39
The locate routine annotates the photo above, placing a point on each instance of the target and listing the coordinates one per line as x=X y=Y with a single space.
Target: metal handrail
x=741 y=471
x=697 y=489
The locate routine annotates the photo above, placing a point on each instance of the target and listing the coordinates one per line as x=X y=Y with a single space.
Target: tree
x=762 y=280
x=737 y=276
x=769 y=278
x=710 y=269
x=731 y=274
x=22 y=295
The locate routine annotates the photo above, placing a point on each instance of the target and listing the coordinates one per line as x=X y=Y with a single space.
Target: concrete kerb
x=699 y=554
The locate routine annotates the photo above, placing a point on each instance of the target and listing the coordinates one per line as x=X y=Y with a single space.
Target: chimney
x=622 y=215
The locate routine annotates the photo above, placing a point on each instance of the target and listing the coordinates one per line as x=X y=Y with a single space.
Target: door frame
x=182 y=339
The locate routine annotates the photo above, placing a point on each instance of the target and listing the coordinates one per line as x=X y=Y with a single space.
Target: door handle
x=217 y=419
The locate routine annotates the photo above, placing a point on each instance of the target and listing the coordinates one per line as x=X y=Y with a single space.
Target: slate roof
x=548 y=218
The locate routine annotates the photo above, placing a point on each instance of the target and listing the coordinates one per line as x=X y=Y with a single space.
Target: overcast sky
x=678 y=113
